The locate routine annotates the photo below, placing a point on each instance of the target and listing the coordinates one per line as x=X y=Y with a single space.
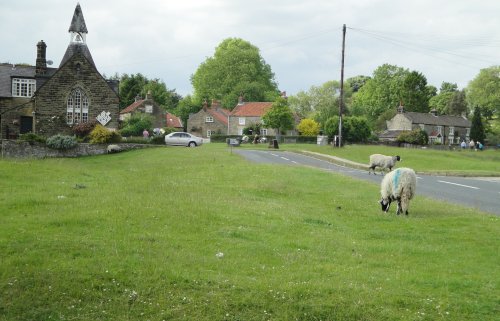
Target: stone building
x=209 y=120
x=442 y=129
x=146 y=106
x=49 y=101
x=246 y=114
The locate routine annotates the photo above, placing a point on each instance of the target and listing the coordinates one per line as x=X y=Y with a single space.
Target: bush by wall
x=61 y=142
x=102 y=135
x=32 y=138
x=83 y=129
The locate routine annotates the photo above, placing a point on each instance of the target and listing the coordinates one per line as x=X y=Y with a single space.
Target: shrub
x=135 y=125
x=308 y=127
x=157 y=139
x=102 y=135
x=61 y=142
x=83 y=129
x=416 y=137
x=32 y=138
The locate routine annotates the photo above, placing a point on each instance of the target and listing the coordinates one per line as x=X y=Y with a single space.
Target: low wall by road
x=21 y=149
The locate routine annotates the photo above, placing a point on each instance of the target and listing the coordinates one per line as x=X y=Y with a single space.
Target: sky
x=445 y=40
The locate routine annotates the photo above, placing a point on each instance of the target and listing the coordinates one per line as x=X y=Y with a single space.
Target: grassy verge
x=456 y=162
x=200 y=234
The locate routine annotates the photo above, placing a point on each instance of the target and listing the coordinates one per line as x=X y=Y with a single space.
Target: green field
x=201 y=234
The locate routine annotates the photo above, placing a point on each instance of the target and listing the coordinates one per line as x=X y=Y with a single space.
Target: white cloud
x=446 y=40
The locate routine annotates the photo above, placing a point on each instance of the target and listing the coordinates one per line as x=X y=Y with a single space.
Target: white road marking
x=284 y=158
x=458 y=184
x=275 y=155
x=294 y=162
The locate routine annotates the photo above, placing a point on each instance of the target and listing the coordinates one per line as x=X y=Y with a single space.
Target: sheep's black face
x=385 y=204
x=398 y=158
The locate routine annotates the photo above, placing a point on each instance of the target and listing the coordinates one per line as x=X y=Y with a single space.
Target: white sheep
x=383 y=162
x=113 y=149
x=399 y=185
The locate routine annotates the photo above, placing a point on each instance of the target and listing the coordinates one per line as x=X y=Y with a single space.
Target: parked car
x=183 y=139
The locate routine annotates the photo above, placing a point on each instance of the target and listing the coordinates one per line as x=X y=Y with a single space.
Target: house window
x=149 y=109
x=263 y=131
x=240 y=131
x=209 y=119
x=439 y=129
x=468 y=132
x=241 y=120
x=77 y=107
x=23 y=87
x=209 y=133
x=452 y=131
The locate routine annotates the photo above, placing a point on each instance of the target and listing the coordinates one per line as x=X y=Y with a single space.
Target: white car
x=183 y=139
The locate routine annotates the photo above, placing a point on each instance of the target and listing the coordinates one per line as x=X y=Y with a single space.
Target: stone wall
x=21 y=149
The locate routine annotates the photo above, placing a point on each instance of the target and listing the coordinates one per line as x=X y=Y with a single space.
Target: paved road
x=479 y=193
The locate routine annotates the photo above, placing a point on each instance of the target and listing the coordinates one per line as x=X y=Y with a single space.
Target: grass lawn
x=201 y=234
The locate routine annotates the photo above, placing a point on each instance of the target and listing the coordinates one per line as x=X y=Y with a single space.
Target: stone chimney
x=148 y=95
x=283 y=95
x=433 y=112
x=41 y=62
x=205 y=104
x=240 y=100
x=137 y=98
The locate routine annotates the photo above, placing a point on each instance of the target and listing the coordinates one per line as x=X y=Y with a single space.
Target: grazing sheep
x=383 y=162
x=399 y=185
x=113 y=149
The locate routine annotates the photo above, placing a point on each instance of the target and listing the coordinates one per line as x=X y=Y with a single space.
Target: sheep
x=113 y=149
x=383 y=162
x=399 y=185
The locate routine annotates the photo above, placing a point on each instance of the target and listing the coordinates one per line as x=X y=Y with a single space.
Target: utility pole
x=341 y=100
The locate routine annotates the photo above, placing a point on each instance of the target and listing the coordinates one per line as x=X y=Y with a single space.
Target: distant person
x=480 y=146
x=463 y=145
x=472 y=144
x=145 y=134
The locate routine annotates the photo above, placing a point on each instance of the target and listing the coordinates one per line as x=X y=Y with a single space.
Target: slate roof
x=9 y=71
x=74 y=48
x=439 y=120
x=251 y=109
x=77 y=22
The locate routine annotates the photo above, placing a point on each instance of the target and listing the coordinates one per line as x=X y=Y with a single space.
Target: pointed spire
x=78 y=23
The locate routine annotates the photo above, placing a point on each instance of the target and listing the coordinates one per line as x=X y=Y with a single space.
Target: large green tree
x=237 y=68
x=319 y=102
x=484 y=91
x=185 y=107
x=457 y=104
x=135 y=85
x=441 y=101
x=279 y=117
x=389 y=86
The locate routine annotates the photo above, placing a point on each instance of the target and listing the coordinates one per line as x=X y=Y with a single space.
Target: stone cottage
x=49 y=101
x=209 y=120
x=146 y=106
x=442 y=129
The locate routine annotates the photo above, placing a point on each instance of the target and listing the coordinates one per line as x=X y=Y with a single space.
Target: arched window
x=77 y=108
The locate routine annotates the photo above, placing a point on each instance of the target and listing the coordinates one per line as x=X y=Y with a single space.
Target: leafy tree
x=130 y=87
x=279 y=116
x=457 y=104
x=308 y=127
x=441 y=102
x=167 y=98
x=319 y=102
x=355 y=83
x=477 y=132
x=185 y=107
x=331 y=126
x=484 y=91
x=236 y=68
x=355 y=129
x=389 y=86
